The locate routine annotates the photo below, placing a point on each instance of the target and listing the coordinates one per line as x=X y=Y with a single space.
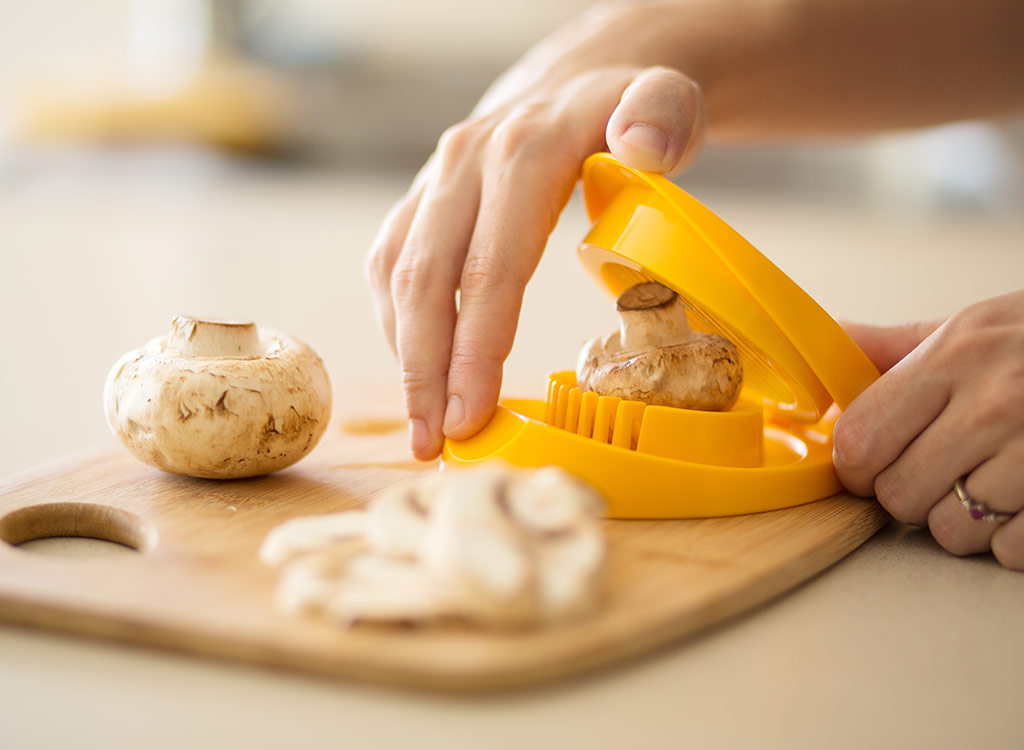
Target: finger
x=958 y=441
x=887 y=416
x=423 y=285
x=887 y=345
x=506 y=247
x=382 y=258
x=955 y=530
x=659 y=123
x=999 y=482
x=532 y=166
x=1008 y=543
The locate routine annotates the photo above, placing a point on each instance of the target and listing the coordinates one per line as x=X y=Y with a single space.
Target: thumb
x=658 y=125
x=887 y=345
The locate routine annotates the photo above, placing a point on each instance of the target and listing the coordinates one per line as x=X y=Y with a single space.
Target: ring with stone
x=978 y=510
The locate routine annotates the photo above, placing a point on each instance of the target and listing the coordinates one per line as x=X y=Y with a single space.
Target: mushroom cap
x=703 y=372
x=648 y=295
x=219 y=417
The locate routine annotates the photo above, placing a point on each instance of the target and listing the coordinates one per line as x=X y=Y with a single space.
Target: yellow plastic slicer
x=772 y=450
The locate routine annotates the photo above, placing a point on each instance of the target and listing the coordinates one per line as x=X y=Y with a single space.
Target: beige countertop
x=898 y=645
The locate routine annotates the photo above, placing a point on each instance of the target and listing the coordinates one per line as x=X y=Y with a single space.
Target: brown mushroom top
x=645 y=296
x=654 y=357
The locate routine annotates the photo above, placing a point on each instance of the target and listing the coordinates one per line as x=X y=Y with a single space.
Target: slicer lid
x=796 y=357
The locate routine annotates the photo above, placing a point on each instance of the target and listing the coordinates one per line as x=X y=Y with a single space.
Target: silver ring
x=978 y=510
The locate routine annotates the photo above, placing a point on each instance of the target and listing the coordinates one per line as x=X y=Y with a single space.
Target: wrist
x=728 y=47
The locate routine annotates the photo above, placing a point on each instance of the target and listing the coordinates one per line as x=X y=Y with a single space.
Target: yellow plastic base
x=728 y=438
x=797 y=466
x=774 y=451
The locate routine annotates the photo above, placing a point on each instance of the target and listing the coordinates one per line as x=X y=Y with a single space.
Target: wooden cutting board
x=197 y=584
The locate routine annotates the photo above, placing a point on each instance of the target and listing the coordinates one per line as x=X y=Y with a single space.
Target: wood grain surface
x=197 y=585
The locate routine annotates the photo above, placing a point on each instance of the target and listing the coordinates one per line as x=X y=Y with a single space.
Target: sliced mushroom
x=397 y=523
x=219 y=399
x=473 y=540
x=301 y=535
x=492 y=545
x=570 y=567
x=545 y=502
x=656 y=358
x=383 y=589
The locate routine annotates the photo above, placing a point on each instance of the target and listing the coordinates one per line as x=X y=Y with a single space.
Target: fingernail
x=419 y=434
x=648 y=139
x=454 y=414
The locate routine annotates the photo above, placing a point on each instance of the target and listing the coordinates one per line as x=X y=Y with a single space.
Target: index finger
x=507 y=244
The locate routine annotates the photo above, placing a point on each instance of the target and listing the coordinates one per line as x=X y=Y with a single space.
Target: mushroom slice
x=302 y=535
x=473 y=540
x=549 y=500
x=303 y=589
x=569 y=568
x=384 y=589
x=397 y=522
x=654 y=357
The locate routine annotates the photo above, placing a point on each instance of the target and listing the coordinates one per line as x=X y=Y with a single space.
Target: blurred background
x=370 y=84
x=235 y=157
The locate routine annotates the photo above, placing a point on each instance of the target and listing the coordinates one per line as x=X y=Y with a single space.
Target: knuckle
x=851 y=447
x=967 y=335
x=375 y=267
x=420 y=381
x=460 y=136
x=405 y=279
x=483 y=274
x=415 y=378
x=990 y=406
x=1008 y=548
x=458 y=141
x=520 y=131
x=412 y=277
x=1011 y=393
x=475 y=357
x=960 y=345
x=892 y=493
x=387 y=245
x=977 y=316
x=1004 y=385
x=951 y=534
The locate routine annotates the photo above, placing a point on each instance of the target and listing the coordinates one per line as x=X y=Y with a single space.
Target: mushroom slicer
x=772 y=450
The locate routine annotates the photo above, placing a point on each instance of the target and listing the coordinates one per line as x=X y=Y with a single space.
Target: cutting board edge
x=721 y=611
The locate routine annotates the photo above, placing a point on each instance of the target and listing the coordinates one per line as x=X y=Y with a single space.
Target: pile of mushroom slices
x=492 y=546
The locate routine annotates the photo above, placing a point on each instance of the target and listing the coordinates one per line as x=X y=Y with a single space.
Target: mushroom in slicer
x=656 y=358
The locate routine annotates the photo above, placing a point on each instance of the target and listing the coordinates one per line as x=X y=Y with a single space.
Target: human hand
x=479 y=212
x=950 y=404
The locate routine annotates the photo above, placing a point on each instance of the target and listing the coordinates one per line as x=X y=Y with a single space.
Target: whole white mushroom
x=219 y=399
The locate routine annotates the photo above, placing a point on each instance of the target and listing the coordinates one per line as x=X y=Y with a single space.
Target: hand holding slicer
x=772 y=449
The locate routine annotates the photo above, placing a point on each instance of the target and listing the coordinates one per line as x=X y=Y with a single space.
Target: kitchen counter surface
x=900 y=644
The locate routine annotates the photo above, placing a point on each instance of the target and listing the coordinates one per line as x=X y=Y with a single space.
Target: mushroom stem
x=651 y=316
x=207 y=337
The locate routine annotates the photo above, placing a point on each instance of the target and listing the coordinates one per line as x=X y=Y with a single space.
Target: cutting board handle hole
x=84 y=520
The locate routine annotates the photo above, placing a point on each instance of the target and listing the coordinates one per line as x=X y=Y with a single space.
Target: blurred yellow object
x=772 y=450
x=228 y=104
